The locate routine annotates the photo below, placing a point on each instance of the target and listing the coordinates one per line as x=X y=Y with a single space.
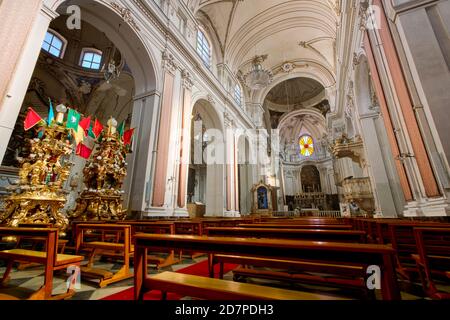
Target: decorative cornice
x=126 y=15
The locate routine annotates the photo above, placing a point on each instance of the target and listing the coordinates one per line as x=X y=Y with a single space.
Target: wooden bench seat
x=49 y=258
x=102 y=245
x=38 y=256
x=117 y=249
x=313 y=251
x=156 y=227
x=217 y=289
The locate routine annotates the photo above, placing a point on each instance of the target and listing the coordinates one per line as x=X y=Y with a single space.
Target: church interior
x=225 y=150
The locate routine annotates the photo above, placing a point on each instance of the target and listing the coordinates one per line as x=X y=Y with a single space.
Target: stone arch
x=310 y=177
x=207 y=176
x=316 y=72
x=128 y=40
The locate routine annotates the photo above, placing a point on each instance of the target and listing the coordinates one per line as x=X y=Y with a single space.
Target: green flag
x=91 y=132
x=121 y=129
x=73 y=119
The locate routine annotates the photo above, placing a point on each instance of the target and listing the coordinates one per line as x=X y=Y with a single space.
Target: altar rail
x=327 y=214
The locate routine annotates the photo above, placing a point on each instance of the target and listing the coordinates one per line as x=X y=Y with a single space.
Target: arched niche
x=310 y=178
x=106 y=17
x=206 y=169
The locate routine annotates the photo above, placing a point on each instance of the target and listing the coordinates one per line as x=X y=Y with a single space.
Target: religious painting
x=263 y=202
x=264 y=198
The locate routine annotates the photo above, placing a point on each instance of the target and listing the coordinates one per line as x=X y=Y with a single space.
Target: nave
x=304 y=258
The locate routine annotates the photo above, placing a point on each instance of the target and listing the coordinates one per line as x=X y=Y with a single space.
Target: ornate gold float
x=38 y=196
x=104 y=174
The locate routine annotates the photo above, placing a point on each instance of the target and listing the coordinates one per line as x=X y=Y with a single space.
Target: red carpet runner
x=198 y=269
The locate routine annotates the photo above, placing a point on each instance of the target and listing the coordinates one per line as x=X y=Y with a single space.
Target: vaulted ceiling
x=284 y=30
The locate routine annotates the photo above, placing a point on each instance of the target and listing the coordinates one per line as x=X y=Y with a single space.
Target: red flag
x=127 y=136
x=97 y=129
x=83 y=151
x=31 y=119
x=85 y=124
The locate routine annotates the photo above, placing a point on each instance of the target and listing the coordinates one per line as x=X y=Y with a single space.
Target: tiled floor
x=22 y=283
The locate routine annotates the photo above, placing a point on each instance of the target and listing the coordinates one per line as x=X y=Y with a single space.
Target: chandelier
x=258 y=78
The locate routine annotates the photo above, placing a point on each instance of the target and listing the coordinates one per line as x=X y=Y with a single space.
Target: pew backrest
x=123 y=229
x=49 y=234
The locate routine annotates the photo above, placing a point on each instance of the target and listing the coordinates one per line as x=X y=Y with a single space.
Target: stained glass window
x=306 y=143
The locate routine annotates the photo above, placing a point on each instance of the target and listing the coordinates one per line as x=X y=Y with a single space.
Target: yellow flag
x=78 y=135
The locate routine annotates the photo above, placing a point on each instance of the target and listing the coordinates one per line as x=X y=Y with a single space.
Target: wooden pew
x=35 y=241
x=433 y=259
x=401 y=236
x=304 y=220
x=216 y=289
x=341 y=254
x=291 y=266
x=193 y=228
x=304 y=234
x=229 y=222
x=188 y=228
x=156 y=227
x=50 y=258
x=297 y=226
x=123 y=250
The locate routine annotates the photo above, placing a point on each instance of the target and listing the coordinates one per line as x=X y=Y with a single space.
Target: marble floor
x=22 y=283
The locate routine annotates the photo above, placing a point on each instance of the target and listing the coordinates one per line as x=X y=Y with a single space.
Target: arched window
x=91 y=58
x=204 y=48
x=54 y=43
x=306 y=143
x=238 y=94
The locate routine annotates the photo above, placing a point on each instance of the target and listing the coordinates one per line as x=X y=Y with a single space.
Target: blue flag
x=51 y=114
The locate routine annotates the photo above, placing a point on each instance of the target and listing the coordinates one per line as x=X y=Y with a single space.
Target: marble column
x=162 y=151
x=401 y=170
x=373 y=142
x=421 y=158
x=232 y=195
x=138 y=184
x=184 y=140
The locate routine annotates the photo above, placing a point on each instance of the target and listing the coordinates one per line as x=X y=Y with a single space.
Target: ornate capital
x=363 y=14
x=169 y=64
x=187 y=81
x=211 y=100
x=228 y=120
x=126 y=15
